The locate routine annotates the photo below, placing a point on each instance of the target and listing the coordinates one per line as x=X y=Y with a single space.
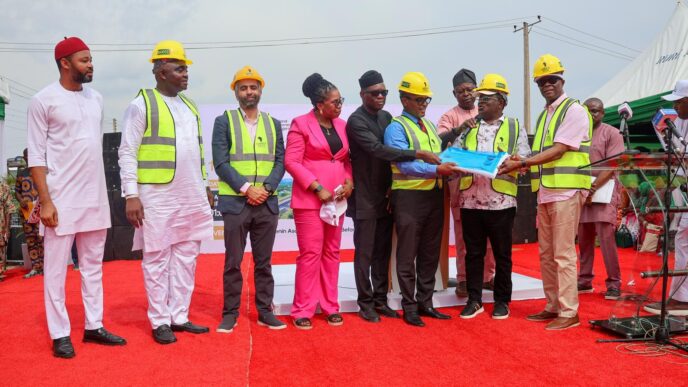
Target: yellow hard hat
x=415 y=83
x=493 y=83
x=247 y=72
x=546 y=65
x=169 y=49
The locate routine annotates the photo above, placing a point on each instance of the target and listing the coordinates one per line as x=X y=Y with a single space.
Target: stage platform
x=524 y=288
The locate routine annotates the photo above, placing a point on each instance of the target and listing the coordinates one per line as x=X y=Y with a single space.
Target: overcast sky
x=479 y=36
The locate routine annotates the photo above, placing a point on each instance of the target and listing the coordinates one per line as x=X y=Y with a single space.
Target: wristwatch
x=269 y=188
x=318 y=188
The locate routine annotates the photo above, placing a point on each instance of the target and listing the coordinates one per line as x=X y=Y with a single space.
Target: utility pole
x=526 y=72
x=114 y=125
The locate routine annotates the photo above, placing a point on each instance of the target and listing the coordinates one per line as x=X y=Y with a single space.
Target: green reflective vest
x=562 y=173
x=157 y=156
x=252 y=158
x=418 y=140
x=505 y=140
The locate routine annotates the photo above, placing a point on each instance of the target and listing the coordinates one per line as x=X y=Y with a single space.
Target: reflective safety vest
x=562 y=173
x=418 y=140
x=252 y=158
x=157 y=156
x=505 y=140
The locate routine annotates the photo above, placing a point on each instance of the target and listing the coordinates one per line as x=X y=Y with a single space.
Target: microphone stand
x=662 y=334
x=623 y=128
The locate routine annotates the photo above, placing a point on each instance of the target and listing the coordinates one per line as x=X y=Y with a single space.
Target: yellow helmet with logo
x=415 y=83
x=546 y=65
x=247 y=72
x=493 y=82
x=169 y=49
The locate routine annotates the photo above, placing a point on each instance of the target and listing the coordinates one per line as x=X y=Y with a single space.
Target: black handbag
x=624 y=238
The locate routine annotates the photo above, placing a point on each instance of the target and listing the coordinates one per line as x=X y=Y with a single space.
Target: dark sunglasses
x=420 y=100
x=486 y=98
x=376 y=93
x=547 y=81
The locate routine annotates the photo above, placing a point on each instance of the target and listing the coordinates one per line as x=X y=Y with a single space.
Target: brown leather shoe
x=561 y=323
x=542 y=316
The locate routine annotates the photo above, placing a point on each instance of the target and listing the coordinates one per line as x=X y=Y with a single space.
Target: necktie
x=422 y=126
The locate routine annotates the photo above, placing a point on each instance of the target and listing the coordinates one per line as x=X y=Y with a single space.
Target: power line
x=582 y=46
x=277 y=43
x=586 y=43
x=21 y=84
x=593 y=36
x=248 y=42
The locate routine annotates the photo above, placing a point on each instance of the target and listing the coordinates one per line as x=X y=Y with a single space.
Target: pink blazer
x=308 y=158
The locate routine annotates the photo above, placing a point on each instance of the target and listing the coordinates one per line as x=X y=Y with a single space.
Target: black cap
x=464 y=76
x=369 y=78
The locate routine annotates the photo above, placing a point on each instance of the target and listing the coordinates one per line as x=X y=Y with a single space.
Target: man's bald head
x=596 y=109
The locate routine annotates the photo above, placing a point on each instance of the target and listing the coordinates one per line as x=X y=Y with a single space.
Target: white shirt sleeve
x=37 y=122
x=133 y=127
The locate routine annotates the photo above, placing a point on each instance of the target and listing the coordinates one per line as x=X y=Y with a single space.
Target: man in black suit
x=369 y=204
x=248 y=153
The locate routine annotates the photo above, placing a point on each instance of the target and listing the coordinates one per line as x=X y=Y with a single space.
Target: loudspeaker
x=14 y=244
x=118 y=205
x=111 y=141
x=112 y=180
x=110 y=160
x=524 y=230
x=120 y=244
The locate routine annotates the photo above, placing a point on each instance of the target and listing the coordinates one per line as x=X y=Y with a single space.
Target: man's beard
x=250 y=103
x=82 y=78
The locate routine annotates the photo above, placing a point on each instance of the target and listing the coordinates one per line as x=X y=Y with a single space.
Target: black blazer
x=370 y=161
x=222 y=142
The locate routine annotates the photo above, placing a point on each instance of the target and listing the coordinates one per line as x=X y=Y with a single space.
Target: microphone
x=625 y=111
x=462 y=137
x=663 y=119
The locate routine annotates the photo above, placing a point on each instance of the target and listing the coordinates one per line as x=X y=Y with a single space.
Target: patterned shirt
x=7 y=207
x=480 y=195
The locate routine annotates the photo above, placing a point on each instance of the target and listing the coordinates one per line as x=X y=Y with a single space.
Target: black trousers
x=418 y=216
x=478 y=226
x=373 y=243
x=261 y=224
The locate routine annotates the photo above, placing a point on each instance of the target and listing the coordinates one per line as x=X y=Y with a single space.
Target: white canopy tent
x=653 y=73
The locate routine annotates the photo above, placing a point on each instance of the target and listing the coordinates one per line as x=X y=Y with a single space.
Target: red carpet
x=455 y=352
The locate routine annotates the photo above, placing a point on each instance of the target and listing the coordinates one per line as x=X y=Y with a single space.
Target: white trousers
x=58 y=254
x=169 y=276
x=679 y=285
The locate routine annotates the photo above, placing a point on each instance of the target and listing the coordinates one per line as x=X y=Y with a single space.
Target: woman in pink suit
x=317 y=157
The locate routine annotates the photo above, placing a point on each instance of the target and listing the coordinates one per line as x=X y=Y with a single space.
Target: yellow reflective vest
x=418 y=140
x=252 y=158
x=157 y=155
x=505 y=140
x=563 y=173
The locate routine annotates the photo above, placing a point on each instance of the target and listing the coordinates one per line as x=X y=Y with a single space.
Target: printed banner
x=285 y=239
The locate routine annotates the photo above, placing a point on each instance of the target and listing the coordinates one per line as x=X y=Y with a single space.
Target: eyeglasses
x=376 y=93
x=547 y=81
x=420 y=100
x=337 y=102
x=486 y=98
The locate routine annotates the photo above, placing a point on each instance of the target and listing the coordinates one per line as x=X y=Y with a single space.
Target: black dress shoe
x=102 y=336
x=189 y=327
x=369 y=315
x=412 y=318
x=63 y=348
x=386 y=311
x=164 y=335
x=432 y=312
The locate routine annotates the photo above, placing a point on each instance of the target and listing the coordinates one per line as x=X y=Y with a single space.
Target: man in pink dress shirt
x=458 y=120
x=600 y=218
x=560 y=147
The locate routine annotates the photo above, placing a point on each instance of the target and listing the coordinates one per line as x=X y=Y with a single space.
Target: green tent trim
x=643 y=110
x=2 y=110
